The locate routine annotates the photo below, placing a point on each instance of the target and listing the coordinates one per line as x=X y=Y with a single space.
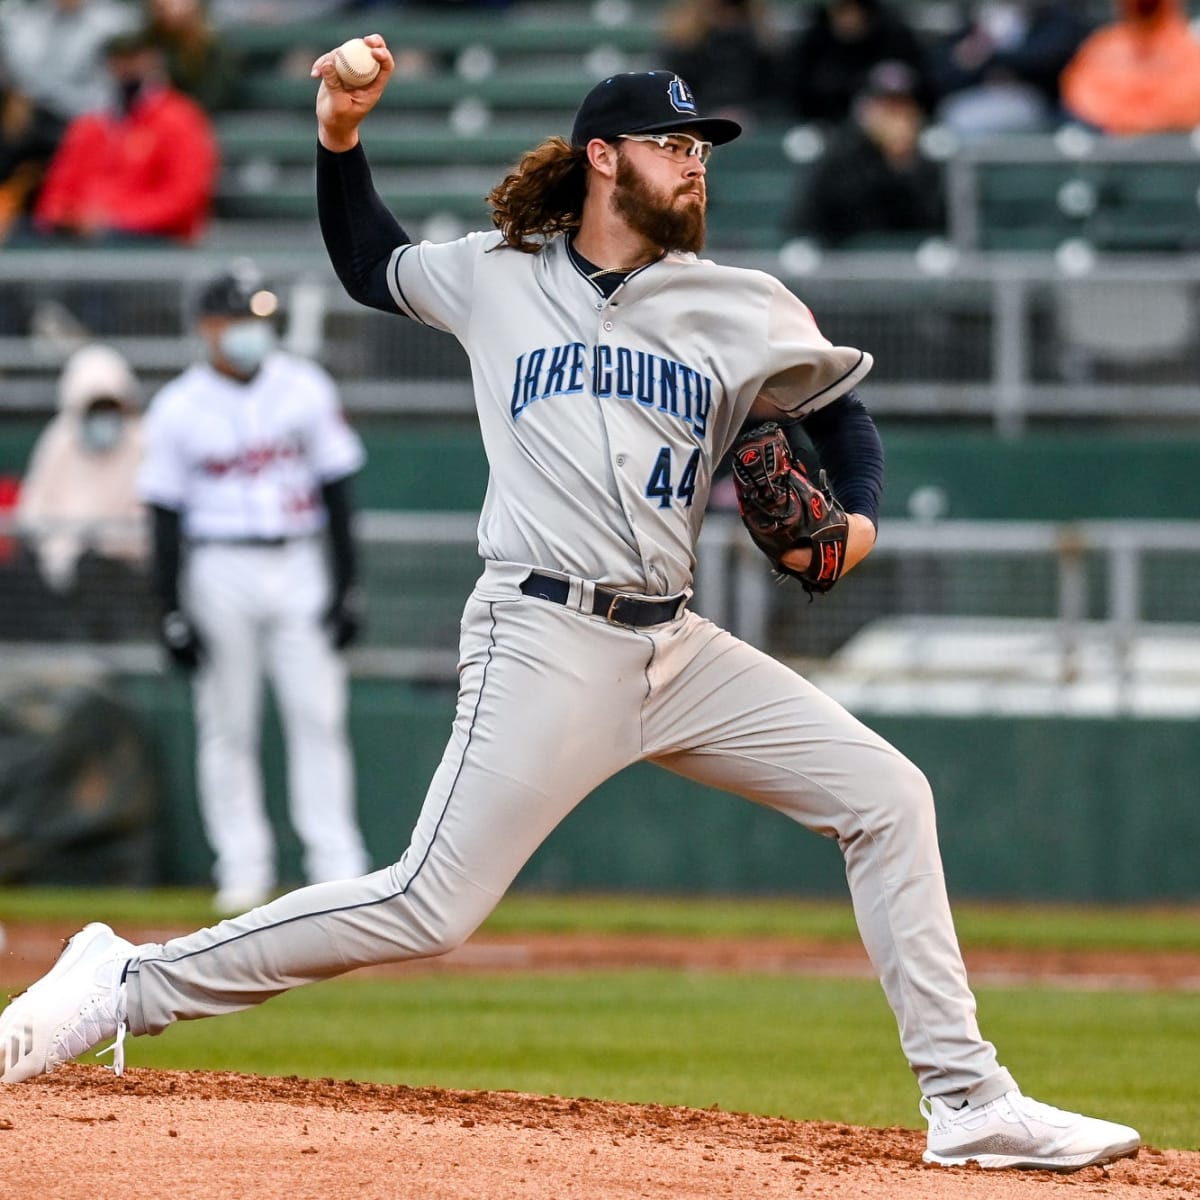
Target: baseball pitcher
x=612 y=368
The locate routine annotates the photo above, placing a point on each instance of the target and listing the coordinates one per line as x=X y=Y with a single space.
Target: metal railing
x=1088 y=582
x=1007 y=339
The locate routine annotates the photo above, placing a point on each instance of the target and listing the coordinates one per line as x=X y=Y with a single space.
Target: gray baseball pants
x=552 y=702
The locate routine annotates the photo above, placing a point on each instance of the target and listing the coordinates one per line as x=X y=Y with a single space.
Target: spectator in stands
x=723 y=49
x=51 y=71
x=78 y=510
x=144 y=169
x=873 y=180
x=1139 y=74
x=833 y=54
x=999 y=72
x=199 y=62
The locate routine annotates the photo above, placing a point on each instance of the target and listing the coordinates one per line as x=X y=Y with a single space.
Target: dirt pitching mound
x=83 y=1134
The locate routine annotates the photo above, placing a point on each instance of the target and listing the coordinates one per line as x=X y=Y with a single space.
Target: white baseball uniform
x=602 y=418
x=243 y=464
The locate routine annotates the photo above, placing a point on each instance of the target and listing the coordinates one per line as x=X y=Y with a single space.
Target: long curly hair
x=542 y=196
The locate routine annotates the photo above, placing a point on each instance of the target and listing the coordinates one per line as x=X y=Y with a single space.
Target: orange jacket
x=1140 y=74
x=151 y=172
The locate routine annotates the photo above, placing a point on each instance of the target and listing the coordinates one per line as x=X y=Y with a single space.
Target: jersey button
x=608 y=327
x=599 y=305
x=620 y=460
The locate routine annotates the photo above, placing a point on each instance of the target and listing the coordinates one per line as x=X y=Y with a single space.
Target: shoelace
x=117 y=1049
x=1021 y=1106
x=93 y=1028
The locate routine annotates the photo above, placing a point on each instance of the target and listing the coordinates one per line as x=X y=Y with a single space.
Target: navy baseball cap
x=645 y=102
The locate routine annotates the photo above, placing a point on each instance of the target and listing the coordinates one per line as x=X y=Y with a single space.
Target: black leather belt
x=613 y=606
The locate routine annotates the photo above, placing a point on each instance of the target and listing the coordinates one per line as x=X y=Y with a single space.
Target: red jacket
x=151 y=172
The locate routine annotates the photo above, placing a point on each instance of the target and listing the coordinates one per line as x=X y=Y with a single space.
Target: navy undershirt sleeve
x=339 y=507
x=851 y=452
x=359 y=231
x=167 y=539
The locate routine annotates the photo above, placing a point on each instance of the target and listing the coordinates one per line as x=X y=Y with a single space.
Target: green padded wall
x=1056 y=476
x=1030 y=808
x=16 y=444
x=426 y=469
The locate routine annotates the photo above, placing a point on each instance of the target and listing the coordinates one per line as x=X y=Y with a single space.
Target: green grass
x=778 y=1045
x=985 y=925
x=774 y=1044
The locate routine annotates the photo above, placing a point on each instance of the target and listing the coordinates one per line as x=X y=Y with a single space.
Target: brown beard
x=652 y=216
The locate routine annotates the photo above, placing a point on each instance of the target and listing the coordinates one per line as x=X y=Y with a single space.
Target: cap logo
x=681 y=97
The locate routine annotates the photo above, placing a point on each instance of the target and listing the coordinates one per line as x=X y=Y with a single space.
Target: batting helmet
x=238 y=291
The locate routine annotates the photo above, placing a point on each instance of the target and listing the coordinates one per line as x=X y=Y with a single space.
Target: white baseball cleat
x=1014 y=1131
x=78 y=1003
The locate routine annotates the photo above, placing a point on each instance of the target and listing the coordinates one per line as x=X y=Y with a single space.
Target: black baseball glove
x=784 y=510
x=343 y=619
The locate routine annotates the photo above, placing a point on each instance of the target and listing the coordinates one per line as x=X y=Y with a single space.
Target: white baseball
x=355 y=64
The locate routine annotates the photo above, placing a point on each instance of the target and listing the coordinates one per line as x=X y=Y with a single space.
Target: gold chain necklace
x=582 y=266
x=609 y=271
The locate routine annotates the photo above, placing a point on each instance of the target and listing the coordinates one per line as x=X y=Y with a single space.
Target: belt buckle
x=669 y=611
x=612 y=608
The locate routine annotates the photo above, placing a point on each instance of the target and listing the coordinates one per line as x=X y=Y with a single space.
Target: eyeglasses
x=678 y=147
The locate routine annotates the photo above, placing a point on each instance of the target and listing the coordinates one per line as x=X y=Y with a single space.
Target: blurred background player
x=247 y=469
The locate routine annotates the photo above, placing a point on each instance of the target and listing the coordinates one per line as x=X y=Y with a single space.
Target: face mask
x=101 y=431
x=128 y=91
x=245 y=344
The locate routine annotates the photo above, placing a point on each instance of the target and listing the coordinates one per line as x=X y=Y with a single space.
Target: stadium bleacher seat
x=496 y=84
x=1018 y=206
x=485 y=87
x=1114 y=205
x=1150 y=206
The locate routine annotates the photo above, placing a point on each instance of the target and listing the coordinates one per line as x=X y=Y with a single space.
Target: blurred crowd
x=873 y=83
x=106 y=134
x=107 y=106
x=999 y=66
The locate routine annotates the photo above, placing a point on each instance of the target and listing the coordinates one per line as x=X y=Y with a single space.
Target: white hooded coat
x=74 y=498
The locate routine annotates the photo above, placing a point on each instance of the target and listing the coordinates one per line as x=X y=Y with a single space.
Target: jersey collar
x=607 y=281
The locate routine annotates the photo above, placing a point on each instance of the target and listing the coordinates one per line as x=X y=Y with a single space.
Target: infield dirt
x=83 y=1134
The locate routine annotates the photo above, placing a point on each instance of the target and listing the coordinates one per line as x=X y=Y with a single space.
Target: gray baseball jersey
x=603 y=418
